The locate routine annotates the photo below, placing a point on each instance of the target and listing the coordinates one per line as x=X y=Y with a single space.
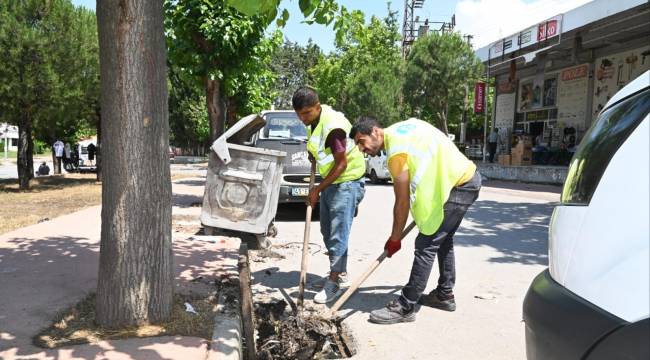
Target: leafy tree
x=291 y=63
x=439 y=66
x=188 y=116
x=135 y=284
x=46 y=68
x=218 y=47
x=364 y=76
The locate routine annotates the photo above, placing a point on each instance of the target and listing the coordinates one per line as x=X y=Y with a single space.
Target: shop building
x=553 y=78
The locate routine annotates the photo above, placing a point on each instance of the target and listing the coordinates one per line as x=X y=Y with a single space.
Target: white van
x=593 y=300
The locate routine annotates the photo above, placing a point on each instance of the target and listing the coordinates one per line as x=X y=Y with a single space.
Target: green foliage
x=364 y=76
x=188 y=116
x=49 y=67
x=291 y=63
x=439 y=66
x=210 y=42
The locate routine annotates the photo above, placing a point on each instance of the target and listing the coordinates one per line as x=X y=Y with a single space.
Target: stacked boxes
x=522 y=154
x=504 y=160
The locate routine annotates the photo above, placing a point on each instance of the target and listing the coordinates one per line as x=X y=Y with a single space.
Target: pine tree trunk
x=135 y=283
x=216 y=108
x=25 y=148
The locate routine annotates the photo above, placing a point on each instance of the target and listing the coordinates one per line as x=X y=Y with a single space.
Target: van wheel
x=373 y=177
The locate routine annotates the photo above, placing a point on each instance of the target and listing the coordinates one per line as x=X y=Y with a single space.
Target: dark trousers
x=492 y=148
x=441 y=243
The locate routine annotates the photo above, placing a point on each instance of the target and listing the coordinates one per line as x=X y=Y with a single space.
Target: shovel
x=305 y=243
x=364 y=276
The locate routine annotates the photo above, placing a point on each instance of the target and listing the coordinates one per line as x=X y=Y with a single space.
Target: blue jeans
x=337 y=205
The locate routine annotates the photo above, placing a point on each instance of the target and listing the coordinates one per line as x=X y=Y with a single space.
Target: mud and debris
x=283 y=335
x=265 y=255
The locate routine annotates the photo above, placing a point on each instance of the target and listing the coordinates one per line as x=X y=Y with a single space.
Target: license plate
x=299 y=191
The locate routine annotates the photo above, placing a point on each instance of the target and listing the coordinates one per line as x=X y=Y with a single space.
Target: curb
x=226 y=336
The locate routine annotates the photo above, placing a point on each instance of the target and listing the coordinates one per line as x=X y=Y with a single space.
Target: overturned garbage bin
x=242 y=186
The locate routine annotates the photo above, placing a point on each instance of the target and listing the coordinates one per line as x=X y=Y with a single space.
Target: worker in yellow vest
x=433 y=179
x=341 y=166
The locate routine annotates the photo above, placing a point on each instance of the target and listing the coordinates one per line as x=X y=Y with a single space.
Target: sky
x=487 y=20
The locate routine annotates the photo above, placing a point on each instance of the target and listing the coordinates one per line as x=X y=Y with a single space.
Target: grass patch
x=76 y=325
x=50 y=197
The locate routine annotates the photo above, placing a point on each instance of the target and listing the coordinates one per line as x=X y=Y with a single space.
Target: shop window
x=550 y=91
x=14 y=142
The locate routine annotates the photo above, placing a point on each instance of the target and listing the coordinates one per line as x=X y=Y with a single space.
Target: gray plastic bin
x=243 y=182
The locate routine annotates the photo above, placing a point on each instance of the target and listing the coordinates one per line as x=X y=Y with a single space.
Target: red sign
x=479 y=98
x=575 y=73
x=546 y=30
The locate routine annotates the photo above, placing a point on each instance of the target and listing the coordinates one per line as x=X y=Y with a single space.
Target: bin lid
x=239 y=133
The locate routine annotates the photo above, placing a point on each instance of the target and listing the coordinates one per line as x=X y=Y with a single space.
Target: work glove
x=392 y=246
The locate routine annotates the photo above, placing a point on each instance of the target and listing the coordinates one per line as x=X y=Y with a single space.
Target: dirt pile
x=284 y=336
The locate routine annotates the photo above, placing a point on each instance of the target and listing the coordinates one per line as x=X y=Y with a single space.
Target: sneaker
x=393 y=313
x=436 y=300
x=343 y=281
x=331 y=291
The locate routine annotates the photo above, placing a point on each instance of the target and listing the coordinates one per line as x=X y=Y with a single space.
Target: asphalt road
x=500 y=247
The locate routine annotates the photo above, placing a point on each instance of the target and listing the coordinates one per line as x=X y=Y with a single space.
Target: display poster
x=573 y=86
x=613 y=72
x=505 y=111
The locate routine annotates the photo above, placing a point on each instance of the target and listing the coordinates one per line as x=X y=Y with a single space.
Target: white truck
x=376 y=168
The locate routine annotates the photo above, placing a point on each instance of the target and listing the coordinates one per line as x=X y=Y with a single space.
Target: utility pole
x=408 y=25
x=463 y=124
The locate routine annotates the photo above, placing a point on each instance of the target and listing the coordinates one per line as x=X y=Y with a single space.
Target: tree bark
x=25 y=149
x=216 y=108
x=135 y=284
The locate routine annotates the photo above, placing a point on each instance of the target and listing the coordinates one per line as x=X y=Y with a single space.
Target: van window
x=599 y=145
x=282 y=126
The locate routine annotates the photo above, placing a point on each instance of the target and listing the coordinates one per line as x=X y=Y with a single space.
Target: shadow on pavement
x=42 y=276
x=200 y=183
x=518 y=230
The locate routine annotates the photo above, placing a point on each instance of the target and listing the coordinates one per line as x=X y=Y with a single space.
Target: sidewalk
x=47 y=267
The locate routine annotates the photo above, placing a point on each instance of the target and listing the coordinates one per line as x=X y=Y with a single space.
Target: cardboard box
x=504 y=160
x=522 y=158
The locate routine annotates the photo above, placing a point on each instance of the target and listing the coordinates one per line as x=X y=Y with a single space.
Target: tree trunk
x=25 y=149
x=216 y=108
x=231 y=112
x=443 y=118
x=135 y=284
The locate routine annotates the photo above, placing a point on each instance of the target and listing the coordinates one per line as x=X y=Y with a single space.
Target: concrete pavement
x=500 y=247
x=50 y=266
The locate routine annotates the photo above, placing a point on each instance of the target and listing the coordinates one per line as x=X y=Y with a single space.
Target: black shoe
x=439 y=301
x=393 y=313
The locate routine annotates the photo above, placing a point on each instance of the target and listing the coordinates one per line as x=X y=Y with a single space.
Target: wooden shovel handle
x=305 y=242
x=365 y=275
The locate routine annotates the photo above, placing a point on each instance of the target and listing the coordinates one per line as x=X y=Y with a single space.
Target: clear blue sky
x=296 y=31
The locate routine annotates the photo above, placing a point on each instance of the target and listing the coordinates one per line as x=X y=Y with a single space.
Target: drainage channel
x=283 y=335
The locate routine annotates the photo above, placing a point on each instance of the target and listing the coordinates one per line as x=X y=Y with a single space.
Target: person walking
x=341 y=166
x=493 y=140
x=433 y=179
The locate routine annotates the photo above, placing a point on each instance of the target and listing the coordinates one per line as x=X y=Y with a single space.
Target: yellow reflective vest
x=330 y=120
x=435 y=167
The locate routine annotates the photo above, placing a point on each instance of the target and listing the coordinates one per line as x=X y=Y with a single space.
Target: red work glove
x=392 y=246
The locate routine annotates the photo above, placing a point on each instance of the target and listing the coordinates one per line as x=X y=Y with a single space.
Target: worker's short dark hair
x=304 y=97
x=364 y=126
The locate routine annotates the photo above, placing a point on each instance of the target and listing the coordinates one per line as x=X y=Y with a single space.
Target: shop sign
x=575 y=73
x=547 y=29
x=479 y=98
x=544 y=31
